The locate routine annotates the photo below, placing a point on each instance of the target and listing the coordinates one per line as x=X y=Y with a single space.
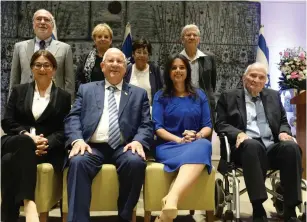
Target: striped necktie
x=114 y=132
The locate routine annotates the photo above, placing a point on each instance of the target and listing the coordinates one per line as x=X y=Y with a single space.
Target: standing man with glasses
x=202 y=64
x=23 y=51
x=109 y=122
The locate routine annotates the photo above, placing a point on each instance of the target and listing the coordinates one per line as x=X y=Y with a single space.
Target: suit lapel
x=125 y=95
x=29 y=101
x=266 y=102
x=53 y=47
x=99 y=93
x=241 y=105
x=30 y=48
x=51 y=105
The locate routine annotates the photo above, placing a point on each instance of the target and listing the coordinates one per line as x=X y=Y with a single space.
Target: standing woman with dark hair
x=182 y=122
x=33 y=122
x=142 y=73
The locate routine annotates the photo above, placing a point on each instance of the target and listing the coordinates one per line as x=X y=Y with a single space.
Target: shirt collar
x=198 y=55
x=48 y=90
x=47 y=41
x=119 y=86
x=249 y=95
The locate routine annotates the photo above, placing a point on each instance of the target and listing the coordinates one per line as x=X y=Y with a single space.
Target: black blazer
x=18 y=116
x=207 y=76
x=154 y=78
x=231 y=113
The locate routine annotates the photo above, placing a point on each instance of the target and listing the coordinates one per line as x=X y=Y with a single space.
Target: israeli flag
x=263 y=54
x=127 y=44
x=54 y=30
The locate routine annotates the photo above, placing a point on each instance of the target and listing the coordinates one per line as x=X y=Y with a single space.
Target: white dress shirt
x=101 y=134
x=40 y=103
x=194 y=65
x=141 y=79
x=47 y=43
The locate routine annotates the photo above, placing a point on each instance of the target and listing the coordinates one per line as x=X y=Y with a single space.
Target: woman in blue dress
x=182 y=122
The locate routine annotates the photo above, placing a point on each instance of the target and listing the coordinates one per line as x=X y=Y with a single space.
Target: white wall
x=284 y=27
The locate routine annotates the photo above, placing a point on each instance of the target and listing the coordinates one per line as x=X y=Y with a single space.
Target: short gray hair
x=114 y=49
x=190 y=26
x=42 y=9
x=256 y=64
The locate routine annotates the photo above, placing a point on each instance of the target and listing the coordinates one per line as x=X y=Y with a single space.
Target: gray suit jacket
x=21 y=71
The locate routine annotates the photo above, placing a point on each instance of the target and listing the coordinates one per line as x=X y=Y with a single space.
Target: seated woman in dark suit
x=181 y=116
x=142 y=73
x=33 y=122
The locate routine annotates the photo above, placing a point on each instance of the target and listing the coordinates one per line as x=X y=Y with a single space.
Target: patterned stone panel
x=3 y=103
x=72 y=18
x=225 y=22
x=100 y=14
x=7 y=48
x=9 y=19
x=156 y=21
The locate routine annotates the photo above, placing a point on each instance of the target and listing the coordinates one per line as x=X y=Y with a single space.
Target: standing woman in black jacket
x=33 y=123
x=142 y=73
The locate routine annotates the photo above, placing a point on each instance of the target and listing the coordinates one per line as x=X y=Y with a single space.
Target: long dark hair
x=168 y=89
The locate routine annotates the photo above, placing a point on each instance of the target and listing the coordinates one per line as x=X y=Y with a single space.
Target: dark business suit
x=252 y=155
x=18 y=151
x=81 y=123
x=154 y=78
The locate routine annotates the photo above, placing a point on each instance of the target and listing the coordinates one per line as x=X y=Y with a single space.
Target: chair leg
x=43 y=217
x=61 y=207
x=192 y=212
x=64 y=217
x=147 y=216
x=209 y=216
x=134 y=216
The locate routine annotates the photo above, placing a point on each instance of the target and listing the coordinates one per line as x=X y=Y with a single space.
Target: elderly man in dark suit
x=109 y=121
x=23 y=51
x=260 y=137
x=202 y=63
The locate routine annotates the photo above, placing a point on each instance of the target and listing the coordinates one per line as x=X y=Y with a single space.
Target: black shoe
x=293 y=219
x=260 y=219
x=120 y=219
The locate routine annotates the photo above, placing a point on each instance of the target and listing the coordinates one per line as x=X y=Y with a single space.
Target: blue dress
x=176 y=114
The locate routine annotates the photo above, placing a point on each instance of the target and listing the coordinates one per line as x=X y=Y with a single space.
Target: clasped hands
x=41 y=144
x=189 y=136
x=243 y=136
x=80 y=147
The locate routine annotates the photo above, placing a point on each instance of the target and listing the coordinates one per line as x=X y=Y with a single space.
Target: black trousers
x=255 y=160
x=82 y=170
x=18 y=174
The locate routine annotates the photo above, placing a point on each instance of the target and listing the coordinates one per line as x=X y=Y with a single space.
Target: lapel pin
x=126 y=93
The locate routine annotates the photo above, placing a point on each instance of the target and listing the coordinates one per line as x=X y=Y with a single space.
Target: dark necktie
x=256 y=101
x=42 y=44
x=114 y=132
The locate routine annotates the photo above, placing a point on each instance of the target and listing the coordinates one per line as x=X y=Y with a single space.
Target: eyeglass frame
x=46 y=19
x=35 y=66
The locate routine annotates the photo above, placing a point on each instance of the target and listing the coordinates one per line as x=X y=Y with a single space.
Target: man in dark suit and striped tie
x=109 y=121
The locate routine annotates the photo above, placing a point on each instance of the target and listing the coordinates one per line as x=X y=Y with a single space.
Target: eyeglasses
x=140 y=52
x=40 y=19
x=46 y=66
x=189 y=35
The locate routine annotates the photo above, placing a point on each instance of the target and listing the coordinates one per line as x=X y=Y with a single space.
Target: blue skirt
x=174 y=155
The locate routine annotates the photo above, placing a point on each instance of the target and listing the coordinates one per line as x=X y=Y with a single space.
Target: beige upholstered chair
x=104 y=191
x=48 y=189
x=158 y=182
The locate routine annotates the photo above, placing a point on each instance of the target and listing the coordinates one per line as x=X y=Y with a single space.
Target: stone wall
x=228 y=29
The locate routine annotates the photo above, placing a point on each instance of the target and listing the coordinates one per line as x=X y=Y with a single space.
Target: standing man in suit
x=109 y=121
x=23 y=51
x=202 y=64
x=260 y=137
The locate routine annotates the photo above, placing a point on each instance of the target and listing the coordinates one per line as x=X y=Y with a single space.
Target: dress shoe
x=260 y=219
x=293 y=219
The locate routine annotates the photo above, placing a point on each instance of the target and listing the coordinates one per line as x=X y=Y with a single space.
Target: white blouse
x=40 y=103
x=141 y=79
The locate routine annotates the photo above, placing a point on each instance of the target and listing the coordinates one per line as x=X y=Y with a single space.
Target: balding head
x=254 y=78
x=43 y=24
x=114 y=65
